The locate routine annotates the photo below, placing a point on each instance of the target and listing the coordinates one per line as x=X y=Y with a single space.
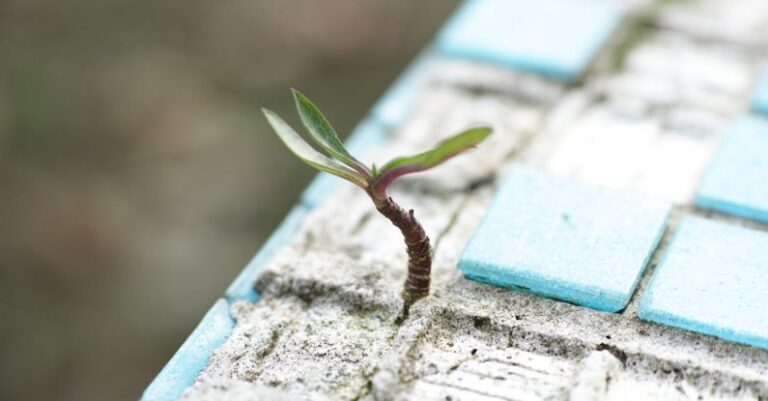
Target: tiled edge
x=366 y=135
x=242 y=288
x=180 y=372
x=760 y=96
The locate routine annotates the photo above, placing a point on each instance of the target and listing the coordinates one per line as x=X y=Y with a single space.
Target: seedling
x=375 y=181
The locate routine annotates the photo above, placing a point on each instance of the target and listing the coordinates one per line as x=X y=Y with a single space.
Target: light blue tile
x=180 y=372
x=760 y=97
x=555 y=38
x=367 y=135
x=397 y=103
x=713 y=279
x=736 y=181
x=565 y=240
x=242 y=288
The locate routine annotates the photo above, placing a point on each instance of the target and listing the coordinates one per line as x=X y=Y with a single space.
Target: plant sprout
x=375 y=181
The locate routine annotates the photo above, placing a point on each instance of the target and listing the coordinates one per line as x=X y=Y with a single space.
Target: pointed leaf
x=443 y=151
x=323 y=133
x=307 y=153
x=423 y=161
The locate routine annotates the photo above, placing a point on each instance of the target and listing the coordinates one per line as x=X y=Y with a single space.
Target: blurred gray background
x=137 y=175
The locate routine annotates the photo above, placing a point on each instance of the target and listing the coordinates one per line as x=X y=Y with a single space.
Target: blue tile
x=242 y=288
x=760 y=97
x=565 y=240
x=735 y=181
x=713 y=279
x=367 y=135
x=555 y=38
x=395 y=106
x=180 y=372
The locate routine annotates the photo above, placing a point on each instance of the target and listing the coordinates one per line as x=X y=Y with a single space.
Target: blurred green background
x=137 y=176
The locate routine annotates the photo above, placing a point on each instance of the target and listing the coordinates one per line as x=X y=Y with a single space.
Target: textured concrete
x=468 y=341
x=598 y=369
x=647 y=117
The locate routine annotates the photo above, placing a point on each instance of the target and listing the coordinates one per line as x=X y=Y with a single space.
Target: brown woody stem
x=418 y=247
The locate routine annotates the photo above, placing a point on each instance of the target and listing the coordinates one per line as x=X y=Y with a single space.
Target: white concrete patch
x=609 y=150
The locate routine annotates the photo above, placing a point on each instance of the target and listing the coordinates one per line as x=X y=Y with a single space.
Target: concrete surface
x=328 y=325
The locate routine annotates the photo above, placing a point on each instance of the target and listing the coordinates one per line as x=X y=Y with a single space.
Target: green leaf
x=308 y=154
x=443 y=151
x=423 y=161
x=323 y=133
